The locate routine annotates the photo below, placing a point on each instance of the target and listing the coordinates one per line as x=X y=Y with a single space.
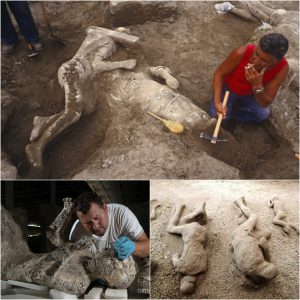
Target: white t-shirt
x=121 y=222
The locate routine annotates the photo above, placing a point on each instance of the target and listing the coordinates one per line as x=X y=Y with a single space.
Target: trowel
x=215 y=138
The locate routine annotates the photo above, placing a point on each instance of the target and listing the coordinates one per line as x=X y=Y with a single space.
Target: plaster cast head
x=272 y=201
x=267 y=270
x=92 y=213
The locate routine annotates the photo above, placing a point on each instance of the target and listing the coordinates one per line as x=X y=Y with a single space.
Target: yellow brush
x=173 y=126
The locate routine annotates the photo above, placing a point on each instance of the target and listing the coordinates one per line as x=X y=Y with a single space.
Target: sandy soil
x=191 y=45
x=219 y=281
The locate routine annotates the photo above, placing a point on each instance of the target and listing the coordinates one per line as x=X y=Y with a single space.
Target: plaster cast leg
x=175 y=260
x=261 y=11
x=56 y=231
x=102 y=66
x=198 y=213
x=34 y=151
x=40 y=124
x=173 y=224
x=165 y=73
x=251 y=222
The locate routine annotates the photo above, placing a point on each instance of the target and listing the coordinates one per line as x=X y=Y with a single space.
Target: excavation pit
x=120 y=140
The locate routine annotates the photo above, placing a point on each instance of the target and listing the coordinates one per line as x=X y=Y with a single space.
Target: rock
x=7 y=106
x=8 y=170
x=139 y=12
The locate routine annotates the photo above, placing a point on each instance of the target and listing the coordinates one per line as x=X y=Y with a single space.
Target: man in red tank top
x=253 y=75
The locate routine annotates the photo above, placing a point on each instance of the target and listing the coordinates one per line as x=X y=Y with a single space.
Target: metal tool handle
x=217 y=128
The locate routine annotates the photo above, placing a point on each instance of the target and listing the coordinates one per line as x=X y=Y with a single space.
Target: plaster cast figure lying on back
x=75 y=76
x=193 y=259
x=60 y=268
x=135 y=89
x=250 y=252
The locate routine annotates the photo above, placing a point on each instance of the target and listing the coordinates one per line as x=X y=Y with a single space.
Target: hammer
x=214 y=138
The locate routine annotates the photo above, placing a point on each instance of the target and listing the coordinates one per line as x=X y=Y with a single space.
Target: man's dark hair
x=274 y=44
x=83 y=202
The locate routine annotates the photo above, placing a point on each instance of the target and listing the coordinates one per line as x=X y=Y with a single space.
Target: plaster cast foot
x=187 y=284
x=129 y=64
x=34 y=155
x=165 y=73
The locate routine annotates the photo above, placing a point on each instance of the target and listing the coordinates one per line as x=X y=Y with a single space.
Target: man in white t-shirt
x=112 y=226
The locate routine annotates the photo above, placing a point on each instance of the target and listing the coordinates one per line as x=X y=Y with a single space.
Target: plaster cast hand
x=124 y=247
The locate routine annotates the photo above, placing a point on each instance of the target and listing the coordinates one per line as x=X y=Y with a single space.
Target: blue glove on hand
x=124 y=247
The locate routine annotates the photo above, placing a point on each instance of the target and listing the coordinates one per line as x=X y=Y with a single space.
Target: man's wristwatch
x=258 y=90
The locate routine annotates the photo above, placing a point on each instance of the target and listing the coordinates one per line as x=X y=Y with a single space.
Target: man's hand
x=220 y=109
x=124 y=247
x=254 y=77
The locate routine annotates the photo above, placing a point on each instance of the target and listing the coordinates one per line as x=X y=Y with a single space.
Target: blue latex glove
x=124 y=247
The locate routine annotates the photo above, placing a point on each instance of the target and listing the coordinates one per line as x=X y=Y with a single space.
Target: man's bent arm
x=142 y=247
x=234 y=58
x=270 y=91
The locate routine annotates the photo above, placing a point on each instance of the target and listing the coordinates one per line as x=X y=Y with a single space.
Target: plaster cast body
x=141 y=90
x=60 y=269
x=193 y=259
x=250 y=251
x=75 y=76
x=281 y=218
x=266 y=14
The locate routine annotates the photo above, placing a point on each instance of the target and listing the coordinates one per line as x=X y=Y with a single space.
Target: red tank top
x=236 y=80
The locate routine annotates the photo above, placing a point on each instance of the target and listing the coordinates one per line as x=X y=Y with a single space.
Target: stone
x=116 y=293
x=5 y=285
x=28 y=285
x=21 y=296
x=56 y=294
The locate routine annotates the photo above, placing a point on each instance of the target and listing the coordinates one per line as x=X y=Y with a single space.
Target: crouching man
x=253 y=75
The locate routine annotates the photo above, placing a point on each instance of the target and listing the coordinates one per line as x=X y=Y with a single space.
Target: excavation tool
x=46 y=18
x=32 y=51
x=173 y=126
x=214 y=138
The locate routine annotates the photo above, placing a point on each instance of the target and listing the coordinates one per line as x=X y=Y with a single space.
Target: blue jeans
x=241 y=108
x=22 y=14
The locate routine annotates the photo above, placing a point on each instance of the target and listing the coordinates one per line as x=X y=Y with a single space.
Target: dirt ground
x=192 y=45
x=219 y=281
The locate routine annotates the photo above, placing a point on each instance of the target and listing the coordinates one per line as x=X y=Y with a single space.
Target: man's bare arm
x=142 y=246
x=228 y=65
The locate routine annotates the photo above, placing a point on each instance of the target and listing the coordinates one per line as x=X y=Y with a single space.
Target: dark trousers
x=241 y=108
x=22 y=14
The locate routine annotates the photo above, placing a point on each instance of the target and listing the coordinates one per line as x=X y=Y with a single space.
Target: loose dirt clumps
x=119 y=140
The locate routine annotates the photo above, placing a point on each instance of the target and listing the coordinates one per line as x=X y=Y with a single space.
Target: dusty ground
x=191 y=45
x=219 y=281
